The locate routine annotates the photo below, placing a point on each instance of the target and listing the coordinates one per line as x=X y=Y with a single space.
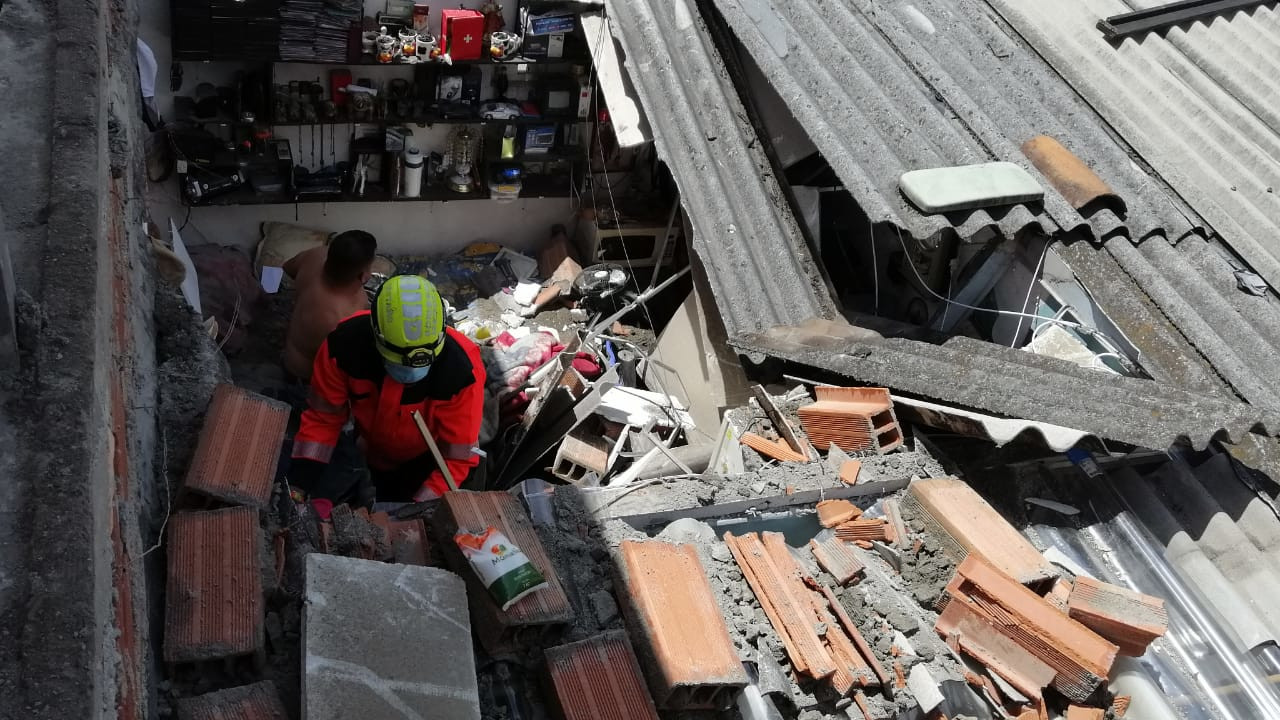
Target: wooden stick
x=435 y=451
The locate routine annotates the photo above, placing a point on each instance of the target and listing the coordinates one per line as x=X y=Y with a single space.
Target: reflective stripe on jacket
x=348 y=378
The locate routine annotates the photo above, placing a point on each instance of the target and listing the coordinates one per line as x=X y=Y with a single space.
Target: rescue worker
x=378 y=367
x=330 y=285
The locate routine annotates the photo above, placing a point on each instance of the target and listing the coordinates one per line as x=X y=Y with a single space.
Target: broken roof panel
x=887 y=88
x=762 y=268
x=1197 y=101
x=767 y=285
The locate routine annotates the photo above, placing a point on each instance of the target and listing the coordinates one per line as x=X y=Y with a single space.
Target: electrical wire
x=604 y=170
x=1030 y=286
x=1010 y=313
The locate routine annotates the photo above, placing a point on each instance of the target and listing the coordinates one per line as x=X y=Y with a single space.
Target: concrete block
x=385 y=642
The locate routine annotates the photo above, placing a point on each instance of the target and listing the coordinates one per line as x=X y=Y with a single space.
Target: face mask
x=406 y=375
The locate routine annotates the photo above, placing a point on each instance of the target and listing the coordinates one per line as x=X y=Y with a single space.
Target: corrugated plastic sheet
x=883 y=88
x=1197 y=101
x=755 y=256
x=213 y=599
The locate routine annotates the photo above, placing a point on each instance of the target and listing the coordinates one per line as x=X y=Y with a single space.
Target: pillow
x=281 y=241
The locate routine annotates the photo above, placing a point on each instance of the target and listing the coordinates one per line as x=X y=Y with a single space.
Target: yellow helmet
x=408 y=321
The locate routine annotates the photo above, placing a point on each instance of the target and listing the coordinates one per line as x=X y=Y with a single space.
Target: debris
x=475 y=511
x=796 y=612
x=364 y=629
x=836 y=557
x=834 y=512
x=239 y=447
x=577 y=671
x=924 y=689
x=1120 y=705
x=964 y=187
x=259 y=701
x=1060 y=508
x=1129 y=619
x=775 y=449
x=1077 y=712
x=213 y=601
x=1060 y=593
x=858 y=640
x=966 y=524
x=849 y=472
x=642 y=408
x=781 y=424
x=581 y=452
x=893 y=514
x=679 y=630
x=1056 y=649
x=863 y=529
x=859 y=419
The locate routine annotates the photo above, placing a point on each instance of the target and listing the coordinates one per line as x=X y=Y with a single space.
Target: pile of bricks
x=821 y=641
x=214 y=602
x=1007 y=608
x=853 y=419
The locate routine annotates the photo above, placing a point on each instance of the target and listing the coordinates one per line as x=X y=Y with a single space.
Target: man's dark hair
x=349 y=258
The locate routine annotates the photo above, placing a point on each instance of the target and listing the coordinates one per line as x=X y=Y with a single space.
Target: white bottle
x=413 y=162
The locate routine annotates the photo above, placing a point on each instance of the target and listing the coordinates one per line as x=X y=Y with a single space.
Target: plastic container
x=413 y=163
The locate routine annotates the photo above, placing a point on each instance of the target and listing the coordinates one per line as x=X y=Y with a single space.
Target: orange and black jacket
x=348 y=379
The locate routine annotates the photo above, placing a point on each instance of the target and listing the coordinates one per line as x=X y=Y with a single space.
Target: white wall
x=427 y=228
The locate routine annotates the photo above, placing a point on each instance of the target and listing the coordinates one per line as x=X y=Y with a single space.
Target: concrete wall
x=78 y=421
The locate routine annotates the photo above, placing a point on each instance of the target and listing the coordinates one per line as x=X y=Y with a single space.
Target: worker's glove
x=321 y=508
x=425 y=493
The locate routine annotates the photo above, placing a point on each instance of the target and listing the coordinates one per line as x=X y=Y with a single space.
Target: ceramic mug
x=426 y=43
x=408 y=43
x=386 y=49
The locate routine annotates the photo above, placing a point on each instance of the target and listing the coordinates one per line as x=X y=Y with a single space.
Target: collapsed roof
x=882 y=88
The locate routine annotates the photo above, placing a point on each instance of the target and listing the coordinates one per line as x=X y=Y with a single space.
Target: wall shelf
x=246 y=196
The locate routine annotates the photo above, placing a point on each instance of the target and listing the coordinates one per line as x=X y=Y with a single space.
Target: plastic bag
x=503 y=568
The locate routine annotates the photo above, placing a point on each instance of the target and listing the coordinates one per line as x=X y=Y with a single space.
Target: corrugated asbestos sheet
x=764 y=278
x=1198 y=102
x=887 y=87
x=755 y=257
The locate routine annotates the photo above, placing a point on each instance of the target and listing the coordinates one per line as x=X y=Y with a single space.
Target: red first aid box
x=460 y=34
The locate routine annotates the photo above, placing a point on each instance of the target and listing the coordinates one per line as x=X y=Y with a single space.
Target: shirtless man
x=330 y=286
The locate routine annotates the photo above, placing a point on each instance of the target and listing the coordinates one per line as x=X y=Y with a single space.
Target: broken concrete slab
x=386 y=642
